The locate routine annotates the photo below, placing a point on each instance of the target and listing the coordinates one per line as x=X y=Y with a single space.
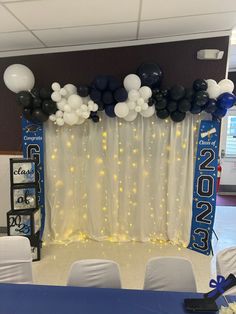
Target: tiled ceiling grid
x=32 y=24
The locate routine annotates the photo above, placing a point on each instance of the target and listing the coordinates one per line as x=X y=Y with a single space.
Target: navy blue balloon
x=220 y=112
x=226 y=101
x=211 y=106
x=120 y=94
x=195 y=109
x=150 y=74
x=113 y=83
x=110 y=111
x=95 y=95
x=101 y=82
x=107 y=98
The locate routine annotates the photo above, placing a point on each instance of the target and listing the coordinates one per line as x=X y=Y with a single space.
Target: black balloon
x=184 y=105
x=101 y=82
x=150 y=74
x=100 y=105
x=177 y=116
x=95 y=118
x=200 y=85
x=113 y=83
x=156 y=91
x=165 y=92
x=49 y=107
x=172 y=106
x=120 y=94
x=45 y=92
x=211 y=106
x=161 y=104
x=39 y=115
x=110 y=111
x=162 y=114
x=24 y=99
x=95 y=95
x=151 y=102
x=83 y=90
x=27 y=113
x=158 y=96
x=201 y=98
x=189 y=94
x=35 y=92
x=177 y=92
x=107 y=98
x=37 y=102
x=196 y=109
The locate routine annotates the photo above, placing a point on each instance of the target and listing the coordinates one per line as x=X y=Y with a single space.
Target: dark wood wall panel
x=177 y=59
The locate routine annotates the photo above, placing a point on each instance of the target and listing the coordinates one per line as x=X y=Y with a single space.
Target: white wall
x=5 y=187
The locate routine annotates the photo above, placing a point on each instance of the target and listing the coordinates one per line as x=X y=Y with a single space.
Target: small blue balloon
x=219 y=113
x=211 y=106
x=121 y=94
x=113 y=83
x=226 y=101
x=110 y=111
x=101 y=82
x=95 y=95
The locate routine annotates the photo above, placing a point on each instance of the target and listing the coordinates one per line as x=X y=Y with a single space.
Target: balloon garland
x=138 y=94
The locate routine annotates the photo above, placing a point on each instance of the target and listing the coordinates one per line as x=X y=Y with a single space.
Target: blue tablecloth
x=35 y=299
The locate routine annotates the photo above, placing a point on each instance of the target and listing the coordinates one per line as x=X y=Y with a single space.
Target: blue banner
x=33 y=147
x=204 y=189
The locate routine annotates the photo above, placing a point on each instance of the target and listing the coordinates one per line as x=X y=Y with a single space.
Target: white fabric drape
x=120 y=181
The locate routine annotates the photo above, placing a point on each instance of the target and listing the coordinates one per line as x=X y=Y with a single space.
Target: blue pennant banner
x=33 y=147
x=204 y=189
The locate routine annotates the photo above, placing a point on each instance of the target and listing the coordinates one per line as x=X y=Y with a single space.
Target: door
x=228 y=153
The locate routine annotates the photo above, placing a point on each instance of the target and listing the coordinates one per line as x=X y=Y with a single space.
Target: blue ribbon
x=218 y=285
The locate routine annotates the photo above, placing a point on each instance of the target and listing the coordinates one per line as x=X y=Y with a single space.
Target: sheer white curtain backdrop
x=120 y=181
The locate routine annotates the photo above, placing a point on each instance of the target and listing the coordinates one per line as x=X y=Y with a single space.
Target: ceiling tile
x=60 y=13
x=87 y=34
x=8 y=23
x=18 y=41
x=156 y=9
x=186 y=25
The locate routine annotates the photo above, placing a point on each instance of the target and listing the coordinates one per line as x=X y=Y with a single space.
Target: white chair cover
x=169 y=274
x=226 y=264
x=95 y=273
x=15 y=260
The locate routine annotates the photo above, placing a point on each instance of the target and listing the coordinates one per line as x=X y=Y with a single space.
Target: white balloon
x=144 y=106
x=211 y=82
x=61 y=104
x=75 y=101
x=90 y=102
x=67 y=108
x=132 y=115
x=214 y=91
x=80 y=120
x=85 y=114
x=56 y=96
x=79 y=112
x=18 y=77
x=138 y=108
x=70 y=118
x=95 y=107
x=226 y=86
x=149 y=112
x=90 y=107
x=133 y=95
x=60 y=121
x=121 y=109
x=59 y=114
x=140 y=101
x=63 y=92
x=145 y=92
x=56 y=87
x=84 y=108
x=132 y=81
x=52 y=117
x=71 y=89
x=131 y=105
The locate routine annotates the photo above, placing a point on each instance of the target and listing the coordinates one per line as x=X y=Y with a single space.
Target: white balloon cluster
x=72 y=109
x=215 y=90
x=137 y=100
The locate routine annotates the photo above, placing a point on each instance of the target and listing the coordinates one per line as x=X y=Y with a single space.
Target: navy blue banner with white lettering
x=33 y=147
x=204 y=189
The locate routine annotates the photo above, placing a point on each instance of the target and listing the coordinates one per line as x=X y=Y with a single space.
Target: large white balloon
x=18 y=77
x=226 y=86
x=121 y=109
x=214 y=91
x=133 y=95
x=75 y=101
x=132 y=81
x=145 y=92
x=80 y=120
x=71 y=89
x=132 y=115
x=149 y=112
x=211 y=82
x=70 y=118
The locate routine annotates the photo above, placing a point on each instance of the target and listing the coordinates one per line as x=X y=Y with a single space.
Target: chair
x=95 y=273
x=169 y=274
x=226 y=264
x=15 y=260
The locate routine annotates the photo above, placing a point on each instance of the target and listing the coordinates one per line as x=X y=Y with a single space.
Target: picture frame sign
x=23 y=171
